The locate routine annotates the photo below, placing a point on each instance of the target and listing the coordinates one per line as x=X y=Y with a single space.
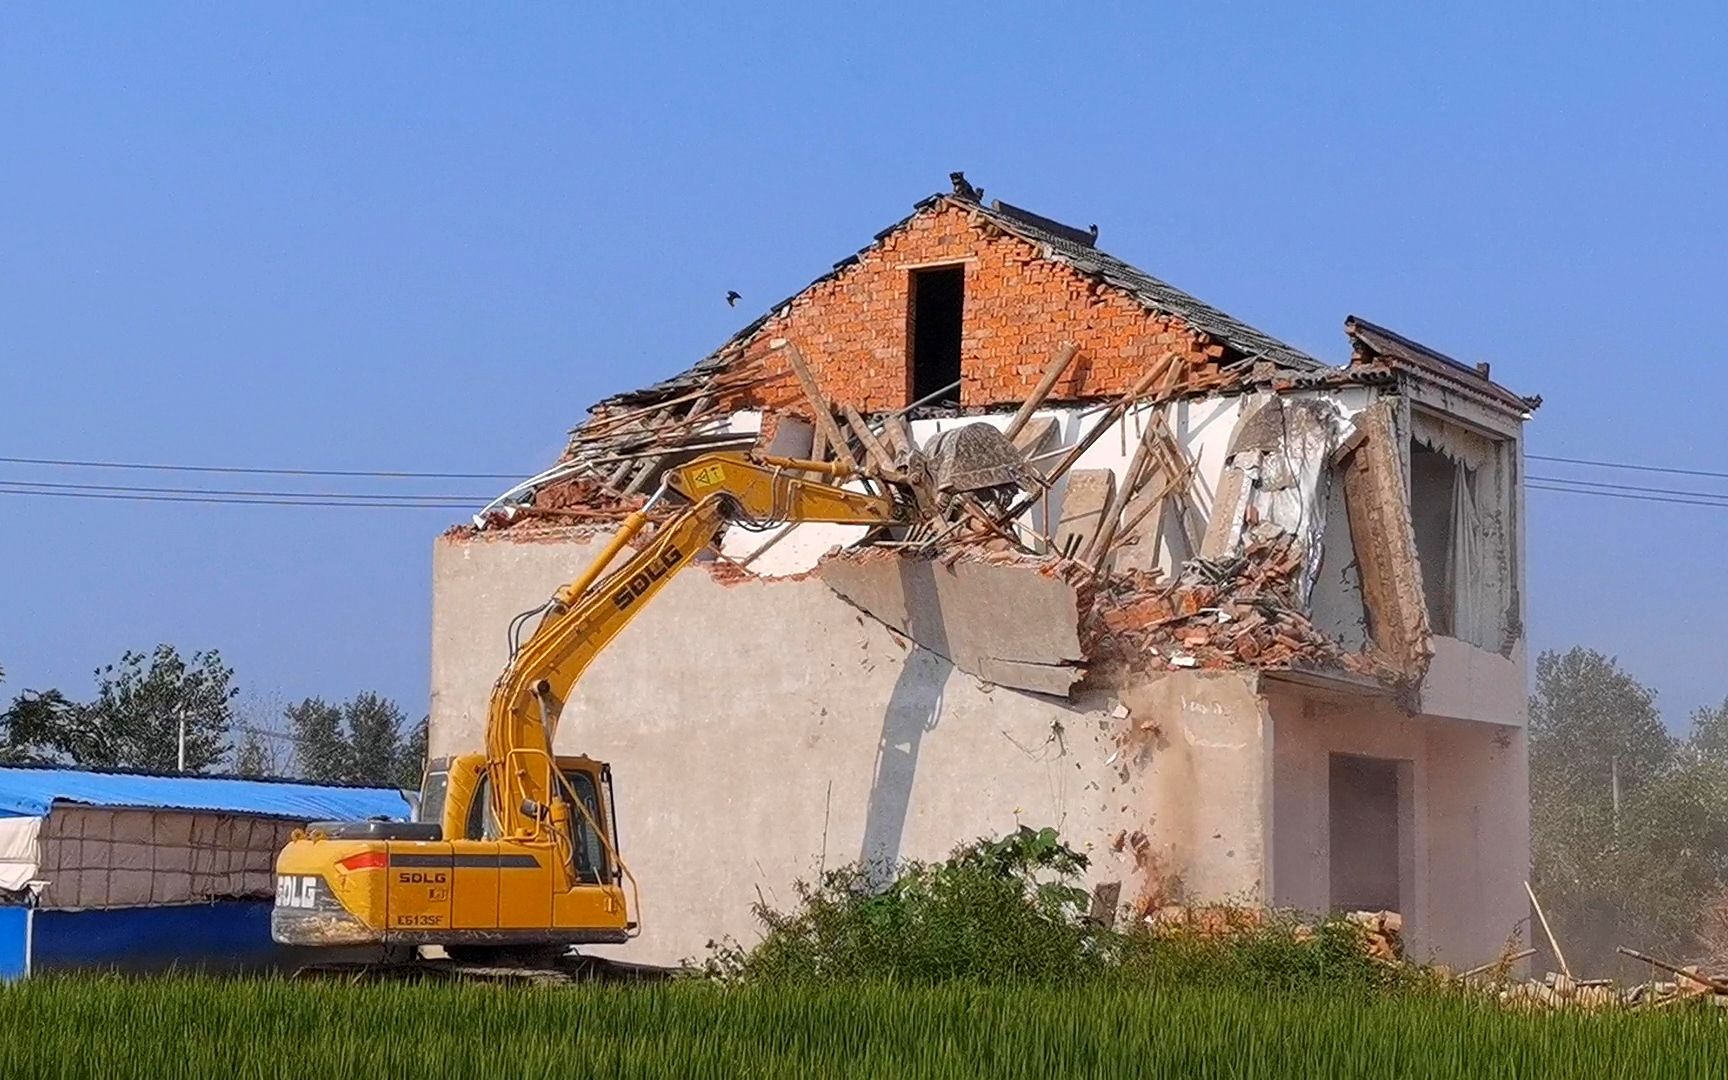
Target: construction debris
x=1235 y=611
x=1381 y=935
x=1242 y=575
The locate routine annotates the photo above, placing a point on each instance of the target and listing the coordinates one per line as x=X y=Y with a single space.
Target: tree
x=320 y=749
x=1590 y=720
x=1708 y=738
x=142 y=703
x=136 y=717
x=361 y=741
x=252 y=758
x=1638 y=873
x=374 y=738
x=35 y=727
x=411 y=762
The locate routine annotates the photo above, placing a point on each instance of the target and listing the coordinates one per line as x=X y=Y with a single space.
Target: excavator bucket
x=976 y=457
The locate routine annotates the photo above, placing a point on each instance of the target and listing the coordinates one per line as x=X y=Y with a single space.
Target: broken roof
x=1072 y=247
x=1374 y=342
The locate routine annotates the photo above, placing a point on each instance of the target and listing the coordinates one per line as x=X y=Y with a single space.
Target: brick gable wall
x=1019 y=308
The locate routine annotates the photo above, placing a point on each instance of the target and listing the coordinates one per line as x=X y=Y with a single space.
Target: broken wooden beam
x=1047 y=382
x=878 y=455
x=1099 y=549
x=819 y=405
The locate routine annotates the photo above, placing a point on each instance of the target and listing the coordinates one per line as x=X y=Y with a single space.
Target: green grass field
x=75 y=1027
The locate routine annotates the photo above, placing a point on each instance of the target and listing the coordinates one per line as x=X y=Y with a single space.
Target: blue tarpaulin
x=30 y=792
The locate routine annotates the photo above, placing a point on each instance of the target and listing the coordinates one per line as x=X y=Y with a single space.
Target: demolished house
x=1244 y=625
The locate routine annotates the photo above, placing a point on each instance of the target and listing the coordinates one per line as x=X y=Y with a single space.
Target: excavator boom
x=584 y=616
x=515 y=851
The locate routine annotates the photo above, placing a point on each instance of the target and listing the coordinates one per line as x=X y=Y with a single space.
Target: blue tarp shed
x=30 y=792
x=140 y=873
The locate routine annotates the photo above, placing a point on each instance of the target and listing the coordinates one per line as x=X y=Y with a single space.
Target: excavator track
x=570 y=970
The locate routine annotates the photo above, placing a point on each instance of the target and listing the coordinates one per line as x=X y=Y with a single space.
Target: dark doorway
x=1364 y=812
x=934 y=318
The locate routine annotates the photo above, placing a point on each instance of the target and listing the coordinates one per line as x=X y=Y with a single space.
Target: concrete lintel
x=1337 y=684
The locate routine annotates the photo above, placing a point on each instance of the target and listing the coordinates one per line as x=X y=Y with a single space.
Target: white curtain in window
x=1473 y=567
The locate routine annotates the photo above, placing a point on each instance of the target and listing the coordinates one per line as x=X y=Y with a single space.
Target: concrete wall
x=762 y=731
x=1464 y=816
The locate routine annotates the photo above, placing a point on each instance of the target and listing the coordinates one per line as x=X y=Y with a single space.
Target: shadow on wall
x=914 y=710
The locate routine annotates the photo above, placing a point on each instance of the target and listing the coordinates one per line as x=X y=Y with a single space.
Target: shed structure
x=143 y=872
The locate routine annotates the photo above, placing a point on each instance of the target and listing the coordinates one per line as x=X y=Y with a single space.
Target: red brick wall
x=1019 y=309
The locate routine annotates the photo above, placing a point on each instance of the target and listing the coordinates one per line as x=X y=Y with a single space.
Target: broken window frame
x=1484 y=461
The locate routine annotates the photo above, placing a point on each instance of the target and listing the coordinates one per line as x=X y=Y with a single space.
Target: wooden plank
x=1046 y=382
x=819 y=405
x=898 y=436
x=1135 y=475
x=1109 y=417
x=1227 y=507
x=1145 y=522
x=878 y=454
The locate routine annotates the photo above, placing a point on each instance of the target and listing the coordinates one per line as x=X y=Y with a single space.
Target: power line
x=396 y=474
x=53 y=485
x=1629 y=495
x=1629 y=487
x=1627 y=465
x=407 y=474
x=226 y=501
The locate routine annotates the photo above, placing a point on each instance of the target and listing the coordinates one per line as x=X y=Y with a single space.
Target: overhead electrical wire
x=239 y=500
x=1640 y=488
x=158 y=467
x=1723 y=503
x=405 y=500
x=1628 y=465
x=48 y=485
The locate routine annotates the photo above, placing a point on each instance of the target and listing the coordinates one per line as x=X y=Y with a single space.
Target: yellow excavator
x=513 y=857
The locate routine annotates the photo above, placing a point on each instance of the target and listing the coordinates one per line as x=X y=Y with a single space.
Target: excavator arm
x=585 y=615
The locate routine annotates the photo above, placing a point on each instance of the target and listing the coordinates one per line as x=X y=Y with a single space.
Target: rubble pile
x=1557 y=990
x=1381 y=931
x=1238 y=610
x=1237 y=601
x=1381 y=936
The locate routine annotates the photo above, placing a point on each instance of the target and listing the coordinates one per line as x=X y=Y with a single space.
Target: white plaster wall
x=763 y=730
x=1468 y=683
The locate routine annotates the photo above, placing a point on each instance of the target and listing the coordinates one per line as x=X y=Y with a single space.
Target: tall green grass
x=64 y=1027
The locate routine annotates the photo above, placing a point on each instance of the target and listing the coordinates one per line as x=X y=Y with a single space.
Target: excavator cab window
x=482 y=822
x=433 y=791
x=588 y=853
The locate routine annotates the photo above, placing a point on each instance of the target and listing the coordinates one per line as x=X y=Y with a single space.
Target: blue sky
x=427 y=236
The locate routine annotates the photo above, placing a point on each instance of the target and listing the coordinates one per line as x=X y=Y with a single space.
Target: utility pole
x=180 y=712
x=1614 y=782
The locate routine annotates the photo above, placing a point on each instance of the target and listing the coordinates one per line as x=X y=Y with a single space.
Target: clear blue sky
x=424 y=237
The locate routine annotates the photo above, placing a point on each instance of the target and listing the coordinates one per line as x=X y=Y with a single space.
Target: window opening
x=935 y=315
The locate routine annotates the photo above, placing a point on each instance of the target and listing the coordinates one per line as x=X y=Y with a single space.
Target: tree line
x=134 y=718
x=1628 y=822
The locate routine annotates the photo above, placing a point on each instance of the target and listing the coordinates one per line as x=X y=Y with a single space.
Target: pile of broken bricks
x=1235 y=611
x=1381 y=932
